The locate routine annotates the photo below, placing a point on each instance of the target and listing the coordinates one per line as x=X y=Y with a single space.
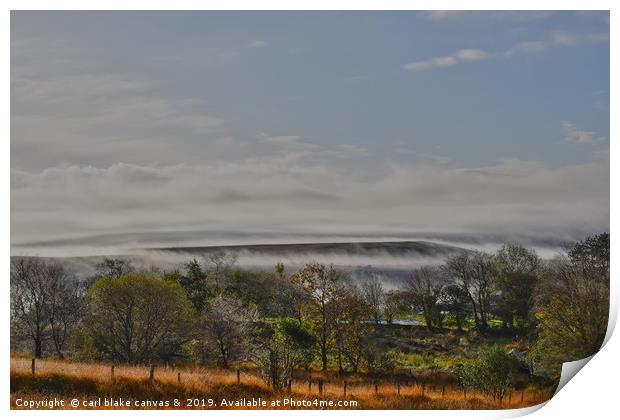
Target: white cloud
x=472 y=55
x=257 y=43
x=80 y=111
x=463 y=55
x=575 y=135
x=272 y=196
x=441 y=16
x=564 y=39
x=557 y=39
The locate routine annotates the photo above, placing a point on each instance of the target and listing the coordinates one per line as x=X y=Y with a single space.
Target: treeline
x=217 y=313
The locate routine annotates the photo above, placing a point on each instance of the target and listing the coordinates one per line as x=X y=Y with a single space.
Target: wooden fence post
x=32 y=367
x=289 y=384
x=112 y=374
x=376 y=388
x=179 y=378
x=344 y=388
x=443 y=390
x=522 y=392
x=152 y=375
x=398 y=387
x=238 y=377
x=464 y=393
x=423 y=388
x=320 y=386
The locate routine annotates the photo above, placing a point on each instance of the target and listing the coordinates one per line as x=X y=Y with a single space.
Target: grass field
x=207 y=388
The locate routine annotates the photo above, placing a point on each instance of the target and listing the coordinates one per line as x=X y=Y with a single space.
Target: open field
x=90 y=381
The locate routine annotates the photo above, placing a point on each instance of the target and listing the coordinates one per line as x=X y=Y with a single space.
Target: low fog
x=270 y=201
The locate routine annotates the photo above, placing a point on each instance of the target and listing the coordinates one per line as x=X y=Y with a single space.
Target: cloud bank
x=267 y=197
x=111 y=159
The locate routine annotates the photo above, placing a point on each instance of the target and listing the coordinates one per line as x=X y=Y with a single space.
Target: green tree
x=492 y=372
x=573 y=325
x=518 y=271
x=195 y=284
x=573 y=322
x=352 y=328
x=138 y=318
x=292 y=346
x=455 y=301
x=322 y=285
x=592 y=256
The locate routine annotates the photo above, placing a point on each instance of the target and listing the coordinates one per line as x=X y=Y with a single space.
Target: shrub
x=493 y=372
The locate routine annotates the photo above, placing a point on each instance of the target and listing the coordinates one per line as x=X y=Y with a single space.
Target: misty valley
x=411 y=324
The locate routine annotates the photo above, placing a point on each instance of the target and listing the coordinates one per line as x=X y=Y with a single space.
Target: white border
x=592 y=394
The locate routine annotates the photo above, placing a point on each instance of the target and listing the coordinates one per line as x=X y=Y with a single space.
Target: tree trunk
x=38 y=348
x=324 y=356
x=224 y=355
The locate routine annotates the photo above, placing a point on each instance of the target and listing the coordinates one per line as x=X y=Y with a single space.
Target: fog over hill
x=390 y=261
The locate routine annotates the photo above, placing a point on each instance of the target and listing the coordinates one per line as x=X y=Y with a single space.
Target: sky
x=198 y=128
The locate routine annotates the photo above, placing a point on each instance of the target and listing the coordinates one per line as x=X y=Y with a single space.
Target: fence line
x=403 y=389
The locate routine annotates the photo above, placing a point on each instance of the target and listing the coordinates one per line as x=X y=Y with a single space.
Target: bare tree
x=40 y=303
x=424 y=288
x=374 y=295
x=113 y=268
x=227 y=327
x=65 y=311
x=394 y=300
x=219 y=267
x=475 y=272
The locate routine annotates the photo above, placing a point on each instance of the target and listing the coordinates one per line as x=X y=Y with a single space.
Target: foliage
x=493 y=372
x=381 y=361
x=592 y=255
x=573 y=323
x=517 y=276
x=353 y=328
x=194 y=283
x=138 y=318
x=322 y=286
x=291 y=347
x=272 y=293
x=455 y=301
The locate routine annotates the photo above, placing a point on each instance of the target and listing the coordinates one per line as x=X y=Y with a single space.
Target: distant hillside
x=358 y=248
x=391 y=261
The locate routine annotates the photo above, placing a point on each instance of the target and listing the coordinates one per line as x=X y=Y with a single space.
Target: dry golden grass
x=66 y=380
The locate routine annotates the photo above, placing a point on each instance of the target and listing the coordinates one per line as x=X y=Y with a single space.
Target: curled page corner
x=570 y=369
